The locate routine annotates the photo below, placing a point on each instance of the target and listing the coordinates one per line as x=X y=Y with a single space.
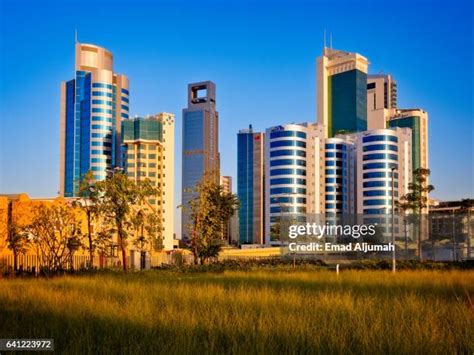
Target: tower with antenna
x=341 y=90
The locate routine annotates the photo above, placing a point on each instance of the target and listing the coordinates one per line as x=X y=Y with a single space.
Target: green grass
x=263 y=311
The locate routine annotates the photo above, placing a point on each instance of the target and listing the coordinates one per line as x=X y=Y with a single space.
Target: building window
x=380 y=147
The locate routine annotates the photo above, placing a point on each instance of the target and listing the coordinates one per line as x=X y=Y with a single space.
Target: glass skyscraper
x=286 y=161
x=92 y=106
x=250 y=185
x=338 y=163
x=378 y=152
x=200 y=143
x=342 y=91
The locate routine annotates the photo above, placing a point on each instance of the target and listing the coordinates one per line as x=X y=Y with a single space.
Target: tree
x=210 y=210
x=90 y=203
x=119 y=196
x=275 y=230
x=104 y=243
x=416 y=200
x=17 y=241
x=56 y=231
x=148 y=231
x=17 y=230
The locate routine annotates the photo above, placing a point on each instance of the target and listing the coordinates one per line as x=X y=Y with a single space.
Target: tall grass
x=238 y=312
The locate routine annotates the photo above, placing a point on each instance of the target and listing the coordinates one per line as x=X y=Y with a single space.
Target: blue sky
x=260 y=54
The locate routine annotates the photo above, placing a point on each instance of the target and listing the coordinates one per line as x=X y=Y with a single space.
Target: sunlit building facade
x=417 y=121
x=226 y=183
x=341 y=91
x=381 y=100
x=286 y=162
x=148 y=153
x=377 y=153
x=92 y=107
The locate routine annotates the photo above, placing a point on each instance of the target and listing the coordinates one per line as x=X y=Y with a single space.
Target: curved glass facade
x=337 y=175
x=287 y=170
x=91 y=111
x=379 y=156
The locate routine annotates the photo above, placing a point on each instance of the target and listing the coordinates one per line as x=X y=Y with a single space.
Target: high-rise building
x=251 y=185
x=339 y=175
x=381 y=99
x=226 y=183
x=417 y=120
x=200 y=142
x=377 y=152
x=341 y=91
x=92 y=106
x=148 y=153
x=286 y=162
x=315 y=151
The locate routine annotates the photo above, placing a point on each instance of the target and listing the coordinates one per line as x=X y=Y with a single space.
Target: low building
x=453 y=223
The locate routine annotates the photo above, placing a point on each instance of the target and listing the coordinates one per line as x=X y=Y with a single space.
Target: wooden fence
x=32 y=263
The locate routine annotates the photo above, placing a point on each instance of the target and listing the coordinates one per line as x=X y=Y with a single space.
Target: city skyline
x=271 y=96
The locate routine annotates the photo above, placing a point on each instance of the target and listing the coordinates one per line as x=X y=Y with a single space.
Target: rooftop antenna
x=75 y=36
x=330 y=40
x=324 y=38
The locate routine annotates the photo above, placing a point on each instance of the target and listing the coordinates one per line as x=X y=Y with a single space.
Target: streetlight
x=291 y=205
x=394 y=265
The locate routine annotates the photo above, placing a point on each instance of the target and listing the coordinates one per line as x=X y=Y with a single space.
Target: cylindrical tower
x=286 y=163
x=380 y=153
x=337 y=172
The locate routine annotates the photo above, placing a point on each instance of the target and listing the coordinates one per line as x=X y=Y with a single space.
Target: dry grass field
x=266 y=311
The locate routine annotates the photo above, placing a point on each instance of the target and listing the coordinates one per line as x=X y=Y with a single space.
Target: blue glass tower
x=200 y=143
x=92 y=106
x=250 y=186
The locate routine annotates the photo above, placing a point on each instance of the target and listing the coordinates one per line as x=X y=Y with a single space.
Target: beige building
x=316 y=169
x=417 y=120
x=381 y=99
x=226 y=183
x=148 y=151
